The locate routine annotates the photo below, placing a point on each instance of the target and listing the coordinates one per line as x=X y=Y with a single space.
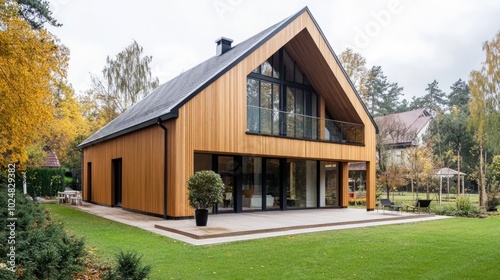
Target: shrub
x=446 y=210
x=43 y=250
x=44 y=181
x=205 y=189
x=493 y=198
x=128 y=267
x=358 y=201
x=464 y=207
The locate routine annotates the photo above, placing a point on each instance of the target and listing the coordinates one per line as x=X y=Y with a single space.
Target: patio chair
x=61 y=197
x=386 y=203
x=77 y=198
x=420 y=204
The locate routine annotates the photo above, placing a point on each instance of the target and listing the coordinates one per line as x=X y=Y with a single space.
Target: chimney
x=223 y=45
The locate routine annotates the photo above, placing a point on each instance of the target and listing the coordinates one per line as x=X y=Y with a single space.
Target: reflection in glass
x=252 y=183
x=302 y=185
x=273 y=183
x=329 y=184
x=226 y=167
x=253 y=117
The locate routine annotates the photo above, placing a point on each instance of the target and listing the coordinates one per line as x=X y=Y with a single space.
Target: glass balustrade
x=289 y=124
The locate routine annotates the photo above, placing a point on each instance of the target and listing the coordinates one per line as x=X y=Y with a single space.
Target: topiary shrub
x=128 y=267
x=42 y=248
x=205 y=189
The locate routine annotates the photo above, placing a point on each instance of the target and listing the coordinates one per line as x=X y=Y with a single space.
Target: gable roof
x=162 y=104
x=413 y=122
x=51 y=160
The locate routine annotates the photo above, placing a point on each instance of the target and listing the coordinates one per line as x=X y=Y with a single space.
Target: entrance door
x=116 y=177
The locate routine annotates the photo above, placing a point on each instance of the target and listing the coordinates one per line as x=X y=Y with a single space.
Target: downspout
x=165 y=171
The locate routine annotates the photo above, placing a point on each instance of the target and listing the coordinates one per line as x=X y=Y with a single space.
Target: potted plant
x=205 y=190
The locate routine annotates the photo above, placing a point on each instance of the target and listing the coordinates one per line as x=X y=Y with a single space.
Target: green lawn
x=460 y=248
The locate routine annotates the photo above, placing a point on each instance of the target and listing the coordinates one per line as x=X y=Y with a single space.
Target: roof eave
x=172 y=115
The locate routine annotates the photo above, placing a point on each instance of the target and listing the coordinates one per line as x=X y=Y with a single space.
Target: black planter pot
x=201 y=216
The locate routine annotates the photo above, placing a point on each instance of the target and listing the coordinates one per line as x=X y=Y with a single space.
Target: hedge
x=44 y=181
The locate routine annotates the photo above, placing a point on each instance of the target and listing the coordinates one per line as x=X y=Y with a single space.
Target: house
x=275 y=116
x=51 y=160
x=403 y=130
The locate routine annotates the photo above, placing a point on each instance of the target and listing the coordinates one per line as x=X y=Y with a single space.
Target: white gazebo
x=449 y=173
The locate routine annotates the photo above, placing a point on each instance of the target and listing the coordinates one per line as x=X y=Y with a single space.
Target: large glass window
x=273 y=184
x=292 y=114
x=226 y=169
x=302 y=186
x=252 y=183
x=329 y=184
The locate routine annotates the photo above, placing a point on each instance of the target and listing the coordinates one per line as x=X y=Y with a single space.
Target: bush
x=465 y=207
x=205 y=189
x=493 y=198
x=129 y=267
x=45 y=181
x=43 y=250
x=358 y=201
x=446 y=210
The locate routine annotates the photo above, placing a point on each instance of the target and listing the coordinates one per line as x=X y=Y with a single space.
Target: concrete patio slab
x=232 y=227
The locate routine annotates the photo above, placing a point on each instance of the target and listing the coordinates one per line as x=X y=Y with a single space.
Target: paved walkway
x=245 y=226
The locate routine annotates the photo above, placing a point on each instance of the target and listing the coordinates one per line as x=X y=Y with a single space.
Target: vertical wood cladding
x=142 y=158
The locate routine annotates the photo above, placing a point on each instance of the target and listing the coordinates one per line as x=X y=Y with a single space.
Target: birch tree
x=485 y=106
x=126 y=79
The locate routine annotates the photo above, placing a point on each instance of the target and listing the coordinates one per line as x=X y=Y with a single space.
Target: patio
x=245 y=226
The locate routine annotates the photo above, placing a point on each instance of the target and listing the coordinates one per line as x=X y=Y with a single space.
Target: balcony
x=286 y=124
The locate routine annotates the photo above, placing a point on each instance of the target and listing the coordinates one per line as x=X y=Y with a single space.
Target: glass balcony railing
x=280 y=123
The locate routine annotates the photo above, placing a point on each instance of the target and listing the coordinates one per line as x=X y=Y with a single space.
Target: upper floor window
x=282 y=102
x=280 y=99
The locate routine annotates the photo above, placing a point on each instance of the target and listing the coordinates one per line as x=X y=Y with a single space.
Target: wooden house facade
x=276 y=116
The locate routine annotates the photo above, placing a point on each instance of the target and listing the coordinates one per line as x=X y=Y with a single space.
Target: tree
x=126 y=80
x=484 y=106
x=459 y=96
x=36 y=13
x=420 y=166
x=31 y=62
x=355 y=67
x=382 y=97
x=435 y=98
x=392 y=177
x=454 y=135
x=67 y=126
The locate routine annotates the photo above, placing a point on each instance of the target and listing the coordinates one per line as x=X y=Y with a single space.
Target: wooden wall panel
x=142 y=168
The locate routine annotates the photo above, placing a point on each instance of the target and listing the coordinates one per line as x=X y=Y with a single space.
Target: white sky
x=415 y=42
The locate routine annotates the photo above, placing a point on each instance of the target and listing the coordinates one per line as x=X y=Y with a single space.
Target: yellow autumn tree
x=68 y=123
x=31 y=63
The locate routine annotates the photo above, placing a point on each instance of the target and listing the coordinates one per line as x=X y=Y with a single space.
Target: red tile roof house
x=275 y=115
x=404 y=130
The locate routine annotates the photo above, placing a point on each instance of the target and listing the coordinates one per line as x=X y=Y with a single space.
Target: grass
x=459 y=248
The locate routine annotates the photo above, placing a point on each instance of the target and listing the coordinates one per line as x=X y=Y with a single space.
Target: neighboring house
x=275 y=116
x=51 y=159
x=403 y=130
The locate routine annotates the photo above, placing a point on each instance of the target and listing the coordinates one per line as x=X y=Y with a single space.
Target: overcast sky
x=415 y=42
